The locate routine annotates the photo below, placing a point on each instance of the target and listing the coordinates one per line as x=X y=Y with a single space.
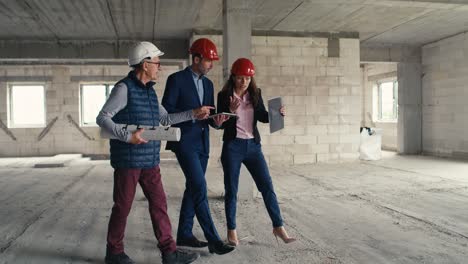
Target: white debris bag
x=371 y=144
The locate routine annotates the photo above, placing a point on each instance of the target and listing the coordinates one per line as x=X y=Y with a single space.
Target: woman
x=241 y=96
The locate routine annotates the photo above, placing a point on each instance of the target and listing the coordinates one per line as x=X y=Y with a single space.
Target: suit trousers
x=195 y=201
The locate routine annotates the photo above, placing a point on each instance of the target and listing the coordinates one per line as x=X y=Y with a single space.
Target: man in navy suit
x=189 y=89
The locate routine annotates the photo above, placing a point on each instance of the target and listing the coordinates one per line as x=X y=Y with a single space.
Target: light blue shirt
x=198 y=80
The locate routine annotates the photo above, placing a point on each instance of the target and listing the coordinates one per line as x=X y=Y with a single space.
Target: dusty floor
x=402 y=209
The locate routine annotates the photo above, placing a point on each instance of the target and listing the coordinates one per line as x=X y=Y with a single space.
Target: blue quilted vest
x=142 y=109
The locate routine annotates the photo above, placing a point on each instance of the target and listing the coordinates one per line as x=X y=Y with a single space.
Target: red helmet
x=205 y=47
x=244 y=67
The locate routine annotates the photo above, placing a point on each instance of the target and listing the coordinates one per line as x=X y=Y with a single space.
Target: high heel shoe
x=281 y=233
x=232 y=238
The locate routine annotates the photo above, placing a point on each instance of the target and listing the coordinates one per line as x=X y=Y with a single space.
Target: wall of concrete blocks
x=371 y=72
x=62 y=84
x=322 y=96
x=445 y=97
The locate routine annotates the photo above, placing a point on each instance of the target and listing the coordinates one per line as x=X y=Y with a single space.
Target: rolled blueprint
x=150 y=133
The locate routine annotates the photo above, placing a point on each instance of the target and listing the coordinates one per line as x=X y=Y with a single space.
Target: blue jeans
x=195 y=200
x=247 y=151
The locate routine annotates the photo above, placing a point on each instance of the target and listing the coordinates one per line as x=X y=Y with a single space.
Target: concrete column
x=409 y=108
x=237 y=42
x=237 y=32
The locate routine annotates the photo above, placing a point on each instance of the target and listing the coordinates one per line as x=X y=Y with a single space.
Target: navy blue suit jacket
x=181 y=95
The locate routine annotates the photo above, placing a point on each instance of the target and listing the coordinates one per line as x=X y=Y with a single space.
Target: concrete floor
x=402 y=209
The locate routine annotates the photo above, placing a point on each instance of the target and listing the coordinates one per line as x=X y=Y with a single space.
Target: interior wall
x=445 y=97
x=371 y=72
x=62 y=84
x=322 y=96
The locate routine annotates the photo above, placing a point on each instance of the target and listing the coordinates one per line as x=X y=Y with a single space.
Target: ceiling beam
x=156 y=13
x=77 y=49
x=108 y=5
x=277 y=33
x=393 y=53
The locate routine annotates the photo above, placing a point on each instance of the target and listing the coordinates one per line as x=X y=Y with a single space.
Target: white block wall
x=445 y=97
x=389 y=129
x=322 y=96
x=62 y=99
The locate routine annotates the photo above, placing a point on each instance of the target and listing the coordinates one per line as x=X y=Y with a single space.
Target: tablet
x=223 y=113
x=274 y=115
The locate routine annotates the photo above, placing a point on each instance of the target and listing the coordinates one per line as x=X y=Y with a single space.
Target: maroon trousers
x=125 y=182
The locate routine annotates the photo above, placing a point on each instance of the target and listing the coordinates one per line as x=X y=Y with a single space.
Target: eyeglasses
x=156 y=63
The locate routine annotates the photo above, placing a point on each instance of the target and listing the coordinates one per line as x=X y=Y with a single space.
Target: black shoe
x=121 y=258
x=191 y=242
x=220 y=248
x=179 y=257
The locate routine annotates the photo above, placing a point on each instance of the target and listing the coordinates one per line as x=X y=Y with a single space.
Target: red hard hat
x=205 y=47
x=243 y=67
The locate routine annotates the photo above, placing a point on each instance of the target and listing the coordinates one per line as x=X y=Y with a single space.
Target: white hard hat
x=142 y=50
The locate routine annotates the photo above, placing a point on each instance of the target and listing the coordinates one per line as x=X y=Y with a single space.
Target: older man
x=133 y=101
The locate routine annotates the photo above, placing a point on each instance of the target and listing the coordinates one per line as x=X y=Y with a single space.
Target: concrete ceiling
x=412 y=22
